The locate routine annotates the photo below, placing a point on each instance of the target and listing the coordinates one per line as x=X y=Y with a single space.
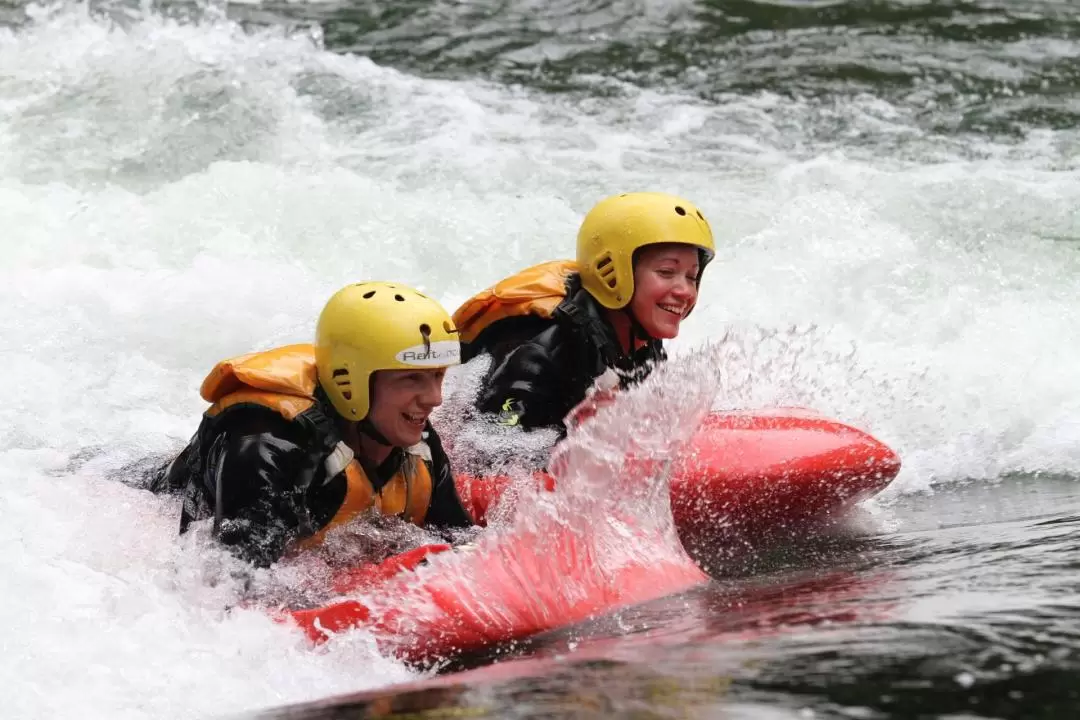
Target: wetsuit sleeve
x=529 y=387
x=446 y=509
x=258 y=482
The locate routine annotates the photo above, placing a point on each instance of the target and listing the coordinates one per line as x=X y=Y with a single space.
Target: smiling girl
x=554 y=329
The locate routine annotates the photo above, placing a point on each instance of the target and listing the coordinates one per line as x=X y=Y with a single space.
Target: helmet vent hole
x=425 y=332
x=344 y=384
x=605 y=268
x=679 y=209
x=369 y=294
x=700 y=215
x=399 y=298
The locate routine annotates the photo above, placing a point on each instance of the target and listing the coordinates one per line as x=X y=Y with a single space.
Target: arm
x=257 y=482
x=446 y=509
x=528 y=388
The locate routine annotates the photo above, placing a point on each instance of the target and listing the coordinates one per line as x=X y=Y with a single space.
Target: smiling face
x=403 y=401
x=665 y=288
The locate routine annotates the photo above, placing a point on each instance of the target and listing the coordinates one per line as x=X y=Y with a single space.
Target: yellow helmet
x=620 y=225
x=378 y=326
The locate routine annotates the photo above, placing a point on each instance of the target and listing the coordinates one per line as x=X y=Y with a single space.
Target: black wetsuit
x=272 y=479
x=543 y=367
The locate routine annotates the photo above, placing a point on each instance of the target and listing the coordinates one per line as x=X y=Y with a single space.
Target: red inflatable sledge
x=741 y=474
x=507 y=587
x=745 y=475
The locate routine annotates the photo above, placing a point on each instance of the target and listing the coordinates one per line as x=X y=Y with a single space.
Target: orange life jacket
x=537 y=290
x=284 y=380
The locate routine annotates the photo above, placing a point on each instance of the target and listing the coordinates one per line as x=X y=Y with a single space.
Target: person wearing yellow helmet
x=553 y=329
x=304 y=438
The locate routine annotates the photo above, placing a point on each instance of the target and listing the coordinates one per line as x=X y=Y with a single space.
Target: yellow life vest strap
x=420 y=487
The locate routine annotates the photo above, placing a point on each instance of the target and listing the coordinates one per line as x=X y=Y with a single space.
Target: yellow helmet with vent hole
x=620 y=225
x=375 y=326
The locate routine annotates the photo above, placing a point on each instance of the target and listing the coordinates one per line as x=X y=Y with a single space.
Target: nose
x=431 y=391
x=685 y=289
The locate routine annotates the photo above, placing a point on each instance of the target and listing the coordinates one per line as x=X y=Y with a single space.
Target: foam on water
x=173 y=194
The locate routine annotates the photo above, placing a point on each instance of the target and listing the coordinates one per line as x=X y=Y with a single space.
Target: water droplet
x=965 y=679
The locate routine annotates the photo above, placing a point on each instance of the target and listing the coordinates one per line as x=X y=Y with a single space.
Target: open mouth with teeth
x=673 y=309
x=415 y=419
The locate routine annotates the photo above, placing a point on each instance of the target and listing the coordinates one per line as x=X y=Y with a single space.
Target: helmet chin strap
x=637 y=330
x=368 y=428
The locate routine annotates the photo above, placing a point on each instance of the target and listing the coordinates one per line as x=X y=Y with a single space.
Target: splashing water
x=476 y=443
x=603 y=539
